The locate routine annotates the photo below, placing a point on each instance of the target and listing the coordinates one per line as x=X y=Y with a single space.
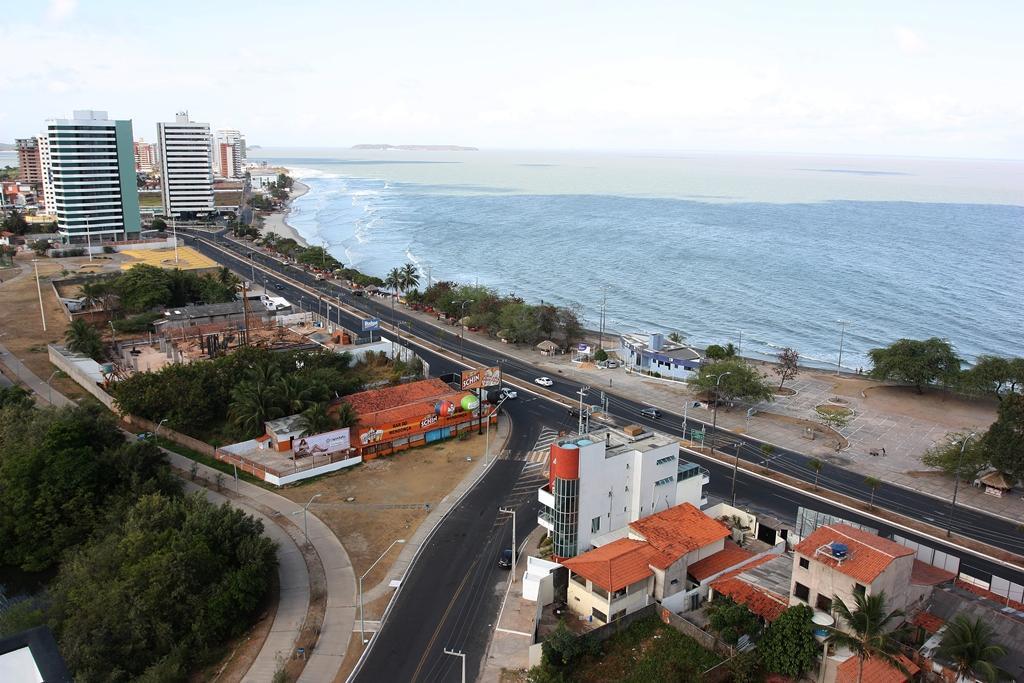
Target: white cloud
x=909 y=42
x=61 y=9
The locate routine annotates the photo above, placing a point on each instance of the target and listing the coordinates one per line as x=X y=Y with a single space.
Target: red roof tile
x=679 y=530
x=375 y=400
x=927 y=575
x=619 y=564
x=869 y=554
x=728 y=557
x=875 y=671
x=928 y=621
x=761 y=601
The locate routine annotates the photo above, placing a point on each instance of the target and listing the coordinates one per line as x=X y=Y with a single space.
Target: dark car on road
x=505 y=559
x=278 y=286
x=651 y=412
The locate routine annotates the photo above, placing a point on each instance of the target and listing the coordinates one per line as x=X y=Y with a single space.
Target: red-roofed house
x=841 y=560
x=650 y=564
x=875 y=671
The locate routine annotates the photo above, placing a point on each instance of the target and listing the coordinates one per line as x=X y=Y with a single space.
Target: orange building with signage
x=409 y=415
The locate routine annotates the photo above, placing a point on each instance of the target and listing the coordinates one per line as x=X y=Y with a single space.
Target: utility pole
x=174 y=227
x=39 y=290
x=714 y=420
x=582 y=392
x=842 y=335
x=456 y=653
x=956 y=486
x=604 y=304
x=512 y=511
x=735 y=466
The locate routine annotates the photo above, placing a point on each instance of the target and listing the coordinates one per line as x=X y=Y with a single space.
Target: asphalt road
x=969 y=522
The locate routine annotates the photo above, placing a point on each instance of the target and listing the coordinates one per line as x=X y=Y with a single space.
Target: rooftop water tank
x=584 y=442
x=840 y=551
x=822 y=621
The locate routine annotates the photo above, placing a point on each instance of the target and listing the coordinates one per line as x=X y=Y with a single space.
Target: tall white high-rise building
x=49 y=197
x=185 y=156
x=90 y=164
x=229 y=154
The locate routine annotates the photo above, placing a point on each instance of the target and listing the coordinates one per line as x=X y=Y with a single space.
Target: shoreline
x=277 y=222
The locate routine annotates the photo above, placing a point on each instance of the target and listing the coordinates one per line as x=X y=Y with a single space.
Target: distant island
x=7 y=147
x=420 y=148
x=253 y=147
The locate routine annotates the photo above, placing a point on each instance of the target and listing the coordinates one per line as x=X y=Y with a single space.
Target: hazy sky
x=909 y=78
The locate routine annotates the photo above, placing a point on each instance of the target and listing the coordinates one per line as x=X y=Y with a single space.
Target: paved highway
x=451 y=596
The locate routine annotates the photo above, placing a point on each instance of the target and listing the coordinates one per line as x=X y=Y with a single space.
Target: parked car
x=651 y=412
x=544 y=381
x=574 y=412
x=505 y=559
x=611 y=364
x=507 y=393
x=278 y=286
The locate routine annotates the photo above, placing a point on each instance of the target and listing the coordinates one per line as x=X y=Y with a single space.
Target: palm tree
x=871 y=635
x=227 y=278
x=410 y=276
x=817 y=466
x=873 y=484
x=394 y=282
x=295 y=395
x=82 y=337
x=347 y=416
x=253 y=404
x=316 y=419
x=968 y=644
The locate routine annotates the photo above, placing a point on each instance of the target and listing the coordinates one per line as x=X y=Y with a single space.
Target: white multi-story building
x=91 y=166
x=145 y=156
x=186 y=181
x=229 y=154
x=601 y=482
x=46 y=168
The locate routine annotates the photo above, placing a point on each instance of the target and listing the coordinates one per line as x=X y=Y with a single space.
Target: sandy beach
x=277 y=222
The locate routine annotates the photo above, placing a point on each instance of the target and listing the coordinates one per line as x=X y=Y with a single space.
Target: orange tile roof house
x=875 y=671
x=649 y=565
x=757 y=586
x=841 y=560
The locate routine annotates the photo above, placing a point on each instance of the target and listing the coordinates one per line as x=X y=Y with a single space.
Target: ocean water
x=763 y=251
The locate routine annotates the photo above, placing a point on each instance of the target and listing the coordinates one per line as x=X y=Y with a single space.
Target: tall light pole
x=604 y=304
x=512 y=511
x=362 y=623
x=487 y=437
x=714 y=421
x=39 y=290
x=462 y=328
x=842 y=337
x=304 y=510
x=156 y=434
x=49 y=389
x=735 y=467
x=458 y=653
x=956 y=486
x=174 y=227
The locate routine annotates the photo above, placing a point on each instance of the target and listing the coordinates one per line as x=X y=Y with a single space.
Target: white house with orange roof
x=841 y=560
x=650 y=564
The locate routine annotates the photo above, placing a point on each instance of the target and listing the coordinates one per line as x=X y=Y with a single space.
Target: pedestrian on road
x=883 y=451
x=609 y=382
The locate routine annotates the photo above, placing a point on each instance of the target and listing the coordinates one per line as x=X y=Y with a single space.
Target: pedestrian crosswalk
x=537 y=456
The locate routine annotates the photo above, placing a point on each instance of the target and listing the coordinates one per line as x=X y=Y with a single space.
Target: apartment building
x=90 y=163
x=229 y=154
x=46 y=175
x=145 y=156
x=30 y=167
x=185 y=155
x=601 y=482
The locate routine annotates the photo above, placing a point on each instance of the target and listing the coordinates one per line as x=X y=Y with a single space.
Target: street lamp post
x=39 y=290
x=487 y=434
x=462 y=655
x=304 y=510
x=714 y=421
x=49 y=389
x=842 y=337
x=462 y=328
x=956 y=486
x=735 y=467
x=156 y=434
x=512 y=511
x=362 y=623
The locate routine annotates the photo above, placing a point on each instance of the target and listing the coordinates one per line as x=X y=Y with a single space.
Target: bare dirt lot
x=392 y=496
x=934 y=405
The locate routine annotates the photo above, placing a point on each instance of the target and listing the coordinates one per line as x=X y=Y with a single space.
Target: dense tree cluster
x=739 y=382
x=788 y=646
x=917 y=362
x=147 y=583
x=251 y=385
x=509 y=316
x=144 y=287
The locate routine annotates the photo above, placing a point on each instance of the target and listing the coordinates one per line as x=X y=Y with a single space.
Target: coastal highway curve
x=967 y=522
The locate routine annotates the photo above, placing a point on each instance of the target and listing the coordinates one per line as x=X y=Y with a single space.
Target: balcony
x=546 y=498
x=546 y=520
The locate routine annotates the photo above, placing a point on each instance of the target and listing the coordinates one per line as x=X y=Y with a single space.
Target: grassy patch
x=827 y=409
x=648 y=650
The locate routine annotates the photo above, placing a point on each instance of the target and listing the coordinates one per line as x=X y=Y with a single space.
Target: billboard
x=321 y=444
x=371 y=324
x=479 y=379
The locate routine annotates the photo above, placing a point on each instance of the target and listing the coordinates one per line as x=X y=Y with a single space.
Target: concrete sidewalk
x=29 y=378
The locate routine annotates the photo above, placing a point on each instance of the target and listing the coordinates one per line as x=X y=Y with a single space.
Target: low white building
x=654 y=353
x=601 y=482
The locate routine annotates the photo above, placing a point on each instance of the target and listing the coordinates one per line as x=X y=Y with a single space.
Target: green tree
x=788 y=366
x=742 y=383
x=600 y=355
x=817 y=466
x=143 y=287
x=873 y=484
x=836 y=419
x=677 y=337
x=16 y=223
x=81 y=337
x=518 y=324
x=346 y=416
x=40 y=247
x=254 y=403
x=731 y=620
x=994 y=375
x=945 y=455
x=410 y=277
x=715 y=352
x=316 y=419
x=916 y=362
x=788 y=646
x=970 y=645
x=15 y=397
x=1004 y=441
x=159 y=224
x=871 y=634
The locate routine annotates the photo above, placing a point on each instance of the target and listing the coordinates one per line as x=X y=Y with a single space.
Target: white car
x=507 y=393
x=544 y=381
